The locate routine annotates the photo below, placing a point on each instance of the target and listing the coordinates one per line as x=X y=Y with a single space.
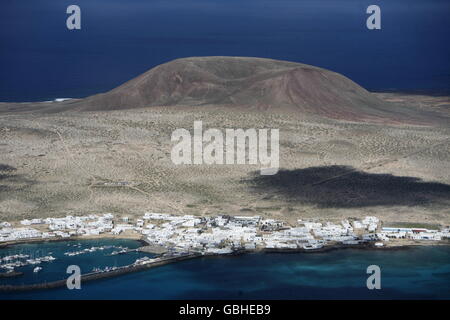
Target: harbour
x=108 y=246
x=265 y=274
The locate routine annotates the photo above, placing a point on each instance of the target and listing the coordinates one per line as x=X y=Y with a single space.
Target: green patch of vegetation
x=412 y=225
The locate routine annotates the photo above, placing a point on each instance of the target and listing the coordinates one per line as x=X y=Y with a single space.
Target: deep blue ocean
x=40 y=59
x=415 y=273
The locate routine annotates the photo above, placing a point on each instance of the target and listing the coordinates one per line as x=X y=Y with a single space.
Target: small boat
x=312 y=246
x=37 y=269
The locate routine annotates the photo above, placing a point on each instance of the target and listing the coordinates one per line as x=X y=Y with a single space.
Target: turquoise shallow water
x=422 y=272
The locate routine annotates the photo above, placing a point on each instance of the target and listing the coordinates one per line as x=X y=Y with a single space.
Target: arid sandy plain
x=55 y=164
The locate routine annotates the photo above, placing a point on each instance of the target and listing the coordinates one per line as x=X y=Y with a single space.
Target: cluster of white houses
x=218 y=234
